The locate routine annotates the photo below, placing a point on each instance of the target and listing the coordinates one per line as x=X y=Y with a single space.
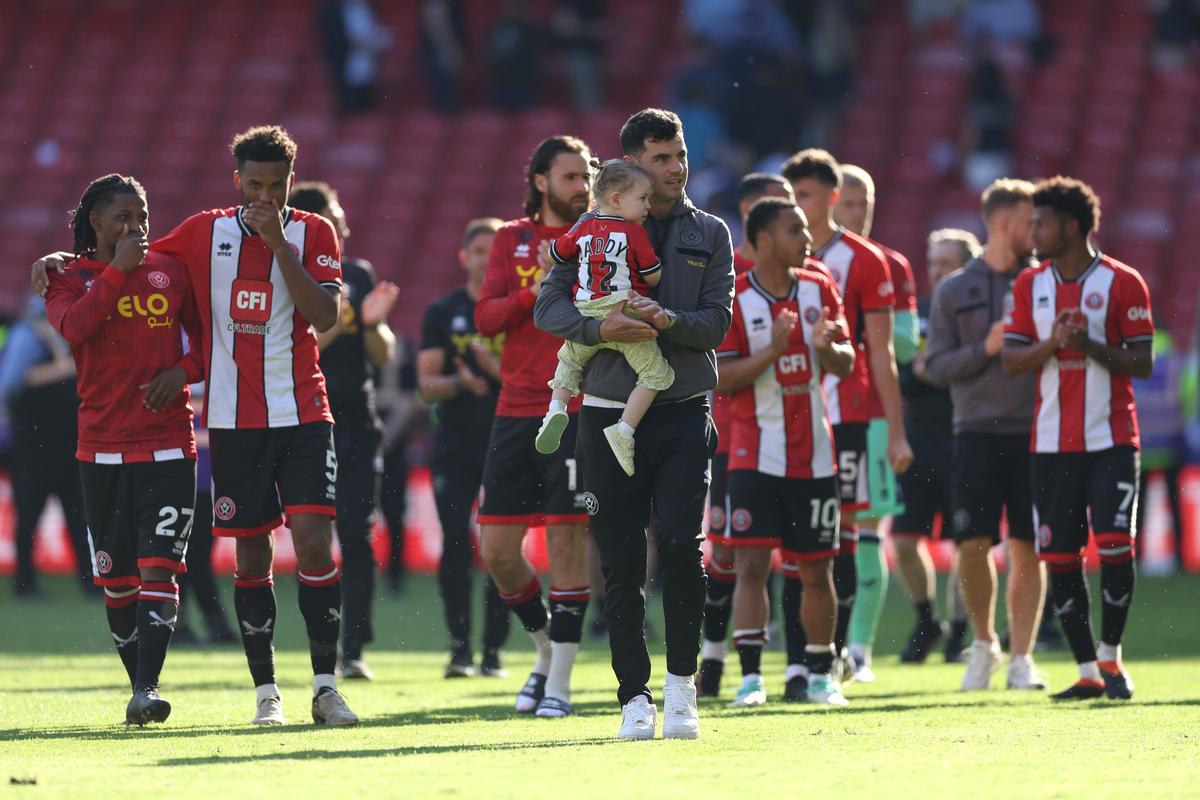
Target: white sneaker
x=824 y=690
x=270 y=711
x=751 y=693
x=984 y=659
x=621 y=446
x=862 y=664
x=329 y=708
x=681 y=718
x=639 y=718
x=355 y=668
x=1023 y=674
x=549 y=436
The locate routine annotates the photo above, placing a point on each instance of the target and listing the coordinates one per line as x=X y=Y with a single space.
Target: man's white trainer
x=681 y=718
x=983 y=660
x=639 y=719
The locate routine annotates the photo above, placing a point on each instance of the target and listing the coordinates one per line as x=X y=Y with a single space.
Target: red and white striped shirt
x=615 y=255
x=263 y=369
x=780 y=424
x=1081 y=406
x=861 y=273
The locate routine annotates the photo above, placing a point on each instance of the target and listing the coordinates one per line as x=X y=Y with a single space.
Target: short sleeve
x=873 y=281
x=734 y=345
x=434 y=329
x=179 y=242
x=904 y=285
x=1018 y=322
x=1134 y=321
x=323 y=258
x=566 y=247
x=644 y=260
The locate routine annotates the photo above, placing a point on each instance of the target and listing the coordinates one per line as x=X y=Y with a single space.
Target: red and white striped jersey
x=861 y=273
x=722 y=404
x=263 y=369
x=1081 y=406
x=780 y=425
x=615 y=255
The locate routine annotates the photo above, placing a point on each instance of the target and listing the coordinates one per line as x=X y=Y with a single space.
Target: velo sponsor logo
x=224 y=508
x=154 y=309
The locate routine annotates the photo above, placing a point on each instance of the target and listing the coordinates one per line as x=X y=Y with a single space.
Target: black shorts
x=259 y=474
x=850 y=442
x=718 y=498
x=1067 y=487
x=138 y=515
x=991 y=475
x=926 y=490
x=799 y=516
x=524 y=487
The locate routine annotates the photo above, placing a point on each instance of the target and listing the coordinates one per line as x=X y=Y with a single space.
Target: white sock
x=625 y=429
x=323 y=681
x=861 y=653
x=794 y=670
x=713 y=651
x=1016 y=659
x=753 y=676
x=557 y=405
x=678 y=680
x=541 y=641
x=1108 y=652
x=266 y=690
x=1089 y=671
x=558 y=681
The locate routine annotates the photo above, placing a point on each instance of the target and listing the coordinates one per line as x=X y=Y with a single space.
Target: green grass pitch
x=62 y=693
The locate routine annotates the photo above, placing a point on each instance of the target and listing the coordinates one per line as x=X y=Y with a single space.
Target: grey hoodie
x=963 y=309
x=697 y=284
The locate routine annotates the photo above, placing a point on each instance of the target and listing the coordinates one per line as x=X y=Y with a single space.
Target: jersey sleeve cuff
x=727 y=354
x=554 y=253
x=1144 y=337
x=650 y=270
x=1019 y=338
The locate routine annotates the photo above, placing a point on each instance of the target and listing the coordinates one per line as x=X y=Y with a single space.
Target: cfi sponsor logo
x=224 y=508
x=158 y=280
x=591 y=504
x=741 y=519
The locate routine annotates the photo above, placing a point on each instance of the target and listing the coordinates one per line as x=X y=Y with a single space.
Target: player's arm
x=947 y=358
x=161 y=391
x=706 y=326
x=1135 y=354
x=39 y=279
x=1136 y=358
x=906 y=328
x=1023 y=353
x=318 y=304
x=432 y=385
x=499 y=308
x=831 y=340
x=378 y=337
x=881 y=360
x=734 y=373
x=78 y=317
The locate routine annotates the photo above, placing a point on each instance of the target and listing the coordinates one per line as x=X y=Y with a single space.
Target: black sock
x=1071 y=603
x=718 y=601
x=320 y=596
x=793 y=629
x=122 y=621
x=924 y=612
x=567 y=607
x=845 y=583
x=254 y=606
x=496 y=619
x=819 y=658
x=958 y=628
x=528 y=605
x=157 y=607
x=749 y=644
x=1116 y=592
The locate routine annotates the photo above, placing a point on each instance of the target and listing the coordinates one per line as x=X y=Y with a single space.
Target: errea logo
x=1138 y=314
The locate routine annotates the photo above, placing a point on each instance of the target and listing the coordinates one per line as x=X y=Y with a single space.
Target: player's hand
x=39 y=273
x=161 y=392
x=545 y=260
x=1077 y=338
x=781 y=330
x=485 y=360
x=825 y=332
x=920 y=368
x=265 y=220
x=379 y=302
x=617 y=327
x=468 y=380
x=995 y=338
x=649 y=311
x=131 y=250
x=1061 y=330
x=899 y=454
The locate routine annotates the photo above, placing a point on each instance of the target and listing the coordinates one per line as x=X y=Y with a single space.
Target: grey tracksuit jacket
x=697 y=284
x=963 y=309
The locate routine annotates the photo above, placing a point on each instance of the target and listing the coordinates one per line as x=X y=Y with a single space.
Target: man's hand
x=899 y=454
x=379 y=302
x=1063 y=326
x=39 y=273
x=131 y=250
x=920 y=368
x=161 y=392
x=649 y=311
x=781 y=330
x=995 y=338
x=825 y=332
x=544 y=259
x=617 y=327
x=485 y=360
x=265 y=220
x=468 y=380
